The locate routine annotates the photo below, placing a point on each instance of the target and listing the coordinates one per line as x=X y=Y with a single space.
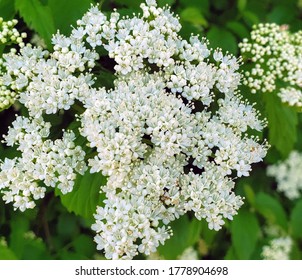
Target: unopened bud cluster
x=274 y=56
x=170 y=135
x=8 y=35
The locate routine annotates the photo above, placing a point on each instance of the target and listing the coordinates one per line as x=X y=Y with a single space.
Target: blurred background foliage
x=59 y=228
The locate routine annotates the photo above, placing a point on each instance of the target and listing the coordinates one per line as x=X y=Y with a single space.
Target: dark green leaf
x=282 y=124
x=230 y=255
x=19 y=226
x=84 y=245
x=186 y=233
x=238 y=29
x=222 y=38
x=245 y=230
x=85 y=196
x=282 y=14
x=250 y=17
x=271 y=209
x=296 y=220
x=241 y=5
x=67 y=225
x=65 y=14
x=37 y=17
x=7 y=9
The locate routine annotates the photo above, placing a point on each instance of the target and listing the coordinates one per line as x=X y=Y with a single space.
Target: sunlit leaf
x=271 y=209
x=37 y=17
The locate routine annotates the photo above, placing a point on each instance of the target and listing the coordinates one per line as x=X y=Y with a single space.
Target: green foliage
x=193 y=15
x=65 y=15
x=85 y=195
x=227 y=41
x=6 y=253
x=296 y=220
x=38 y=17
x=245 y=231
x=57 y=233
x=270 y=208
x=7 y=9
x=186 y=234
x=282 y=124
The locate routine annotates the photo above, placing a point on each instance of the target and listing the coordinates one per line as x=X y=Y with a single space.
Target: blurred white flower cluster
x=278 y=249
x=276 y=62
x=8 y=35
x=171 y=134
x=288 y=175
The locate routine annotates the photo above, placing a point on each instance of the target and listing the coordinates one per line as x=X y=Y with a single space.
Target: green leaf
x=282 y=124
x=238 y=29
x=271 y=209
x=282 y=14
x=245 y=230
x=67 y=225
x=37 y=17
x=194 y=16
x=19 y=226
x=250 y=17
x=250 y=194
x=84 y=245
x=230 y=255
x=296 y=220
x=85 y=195
x=241 y=5
x=202 y=5
x=222 y=38
x=186 y=234
x=6 y=253
x=7 y=9
x=66 y=13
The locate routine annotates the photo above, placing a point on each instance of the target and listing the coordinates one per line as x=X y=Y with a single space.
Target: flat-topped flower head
x=170 y=135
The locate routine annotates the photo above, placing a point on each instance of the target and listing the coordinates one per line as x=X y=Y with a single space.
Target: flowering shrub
x=159 y=141
x=124 y=135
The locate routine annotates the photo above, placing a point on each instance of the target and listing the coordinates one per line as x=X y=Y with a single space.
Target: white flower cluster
x=288 y=175
x=276 y=62
x=43 y=163
x=171 y=134
x=278 y=249
x=8 y=35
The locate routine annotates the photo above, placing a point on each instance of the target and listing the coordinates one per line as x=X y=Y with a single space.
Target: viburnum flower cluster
x=8 y=35
x=274 y=54
x=288 y=175
x=170 y=135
